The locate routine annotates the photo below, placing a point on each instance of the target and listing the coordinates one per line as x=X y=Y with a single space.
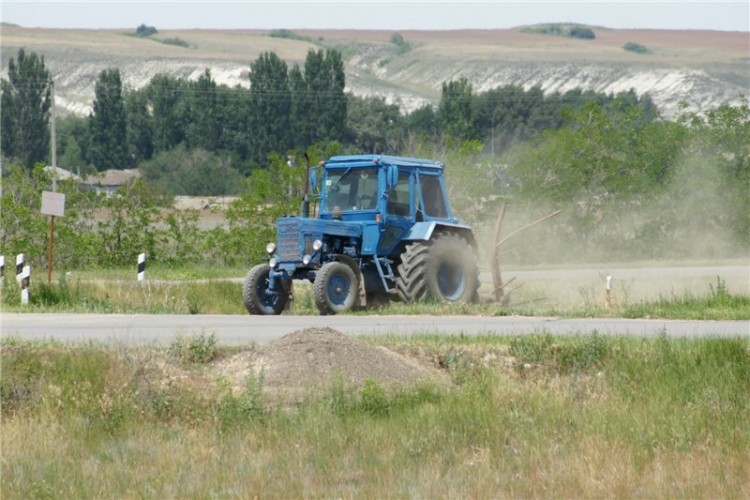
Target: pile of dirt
x=310 y=360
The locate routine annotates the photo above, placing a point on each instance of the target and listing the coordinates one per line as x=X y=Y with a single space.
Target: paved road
x=162 y=329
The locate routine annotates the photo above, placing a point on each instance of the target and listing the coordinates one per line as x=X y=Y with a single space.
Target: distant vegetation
x=562 y=29
x=175 y=41
x=145 y=31
x=628 y=180
x=397 y=39
x=289 y=34
x=637 y=48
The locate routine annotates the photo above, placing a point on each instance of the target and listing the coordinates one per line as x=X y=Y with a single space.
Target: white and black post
x=2 y=270
x=141 y=267
x=20 y=261
x=25 y=282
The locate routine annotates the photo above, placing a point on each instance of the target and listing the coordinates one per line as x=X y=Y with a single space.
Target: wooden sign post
x=53 y=204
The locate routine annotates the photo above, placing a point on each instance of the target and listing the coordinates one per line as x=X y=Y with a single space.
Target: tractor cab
x=380 y=222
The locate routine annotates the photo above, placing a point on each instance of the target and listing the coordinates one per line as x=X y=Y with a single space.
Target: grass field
x=217 y=291
x=535 y=416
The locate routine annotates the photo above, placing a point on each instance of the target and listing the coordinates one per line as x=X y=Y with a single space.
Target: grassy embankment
x=525 y=417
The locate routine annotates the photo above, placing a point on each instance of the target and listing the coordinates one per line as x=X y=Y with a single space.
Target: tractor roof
x=367 y=160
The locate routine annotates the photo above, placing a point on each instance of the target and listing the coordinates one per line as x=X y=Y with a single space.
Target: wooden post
x=51 y=244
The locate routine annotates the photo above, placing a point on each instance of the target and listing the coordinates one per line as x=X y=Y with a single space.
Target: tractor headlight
x=317 y=245
x=271 y=248
x=307 y=259
x=273 y=262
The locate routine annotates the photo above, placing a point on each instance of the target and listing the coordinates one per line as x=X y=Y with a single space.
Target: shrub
x=582 y=32
x=397 y=39
x=176 y=41
x=194 y=348
x=636 y=47
x=145 y=31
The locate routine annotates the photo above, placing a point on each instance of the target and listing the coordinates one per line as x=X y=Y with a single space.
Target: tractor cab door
x=399 y=213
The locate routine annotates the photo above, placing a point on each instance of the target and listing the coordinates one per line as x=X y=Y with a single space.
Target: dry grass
x=661 y=418
x=689 y=46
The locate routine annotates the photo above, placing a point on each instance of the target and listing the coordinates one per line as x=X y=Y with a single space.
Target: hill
x=700 y=68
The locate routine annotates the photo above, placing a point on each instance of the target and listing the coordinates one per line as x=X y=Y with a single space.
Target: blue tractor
x=383 y=230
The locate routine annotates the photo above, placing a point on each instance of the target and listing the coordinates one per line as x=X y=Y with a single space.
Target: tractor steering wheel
x=367 y=201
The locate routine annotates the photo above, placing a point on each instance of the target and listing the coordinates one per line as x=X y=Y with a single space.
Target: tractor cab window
x=398 y=197
x=432 y=196
x=351 y=189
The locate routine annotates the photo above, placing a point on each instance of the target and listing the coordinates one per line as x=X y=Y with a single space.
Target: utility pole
x=53 y=136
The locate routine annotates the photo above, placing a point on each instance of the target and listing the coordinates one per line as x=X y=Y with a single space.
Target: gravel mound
x=312 y=360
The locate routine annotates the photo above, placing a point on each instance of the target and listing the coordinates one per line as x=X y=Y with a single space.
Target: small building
x=108 y=181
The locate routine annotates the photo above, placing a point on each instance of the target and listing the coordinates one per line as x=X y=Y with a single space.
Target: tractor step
x=381 y=262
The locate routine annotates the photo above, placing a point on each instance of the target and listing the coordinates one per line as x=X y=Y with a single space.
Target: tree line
x=285 y=109
x=630 y=183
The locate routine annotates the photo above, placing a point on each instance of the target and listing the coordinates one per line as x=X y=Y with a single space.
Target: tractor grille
x=288 y=239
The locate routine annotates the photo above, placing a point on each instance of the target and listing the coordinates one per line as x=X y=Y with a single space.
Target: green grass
x=584 y=416
x=170 y=290
x=718 y=304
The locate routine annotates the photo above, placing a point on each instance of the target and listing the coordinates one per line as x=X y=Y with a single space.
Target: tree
x=270 y=107
x=144 y=30
x=455 y=112
x=139 y=126
x=72 y=143
x=204 y=127
x=192 y=172
x=423 y=123
x=107 y=124
x=375 y=126
x=26 y=100
x=170 y=111
x=320 y=104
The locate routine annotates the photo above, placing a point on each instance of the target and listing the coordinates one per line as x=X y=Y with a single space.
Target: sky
x=386 y=15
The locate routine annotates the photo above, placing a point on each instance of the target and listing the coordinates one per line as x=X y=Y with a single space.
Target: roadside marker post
x=20 y=261
x=25 y=282
x=141 y=267
x=2 y=271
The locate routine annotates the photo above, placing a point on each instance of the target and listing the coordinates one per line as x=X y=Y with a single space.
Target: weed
x=198 y=349
x=531 y=348
x=373 y=399
x=569 y=354
x=249 y=406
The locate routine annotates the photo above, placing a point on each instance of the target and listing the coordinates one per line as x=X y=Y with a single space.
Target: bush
x=397 y=39
x=145 y=31
x=562 y=29
x=194 y=348
x=636 y=47
x=583 y=33
x=176 y=41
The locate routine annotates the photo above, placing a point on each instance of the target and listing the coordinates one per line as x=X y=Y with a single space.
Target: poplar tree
x=108 y=125
x=24 y=109
x=270 y=107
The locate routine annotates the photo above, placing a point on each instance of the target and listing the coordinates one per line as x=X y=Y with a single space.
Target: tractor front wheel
x=256 y=296
x=335 y=288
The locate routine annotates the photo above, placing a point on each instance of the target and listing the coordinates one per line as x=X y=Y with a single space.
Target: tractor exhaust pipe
x=304 y=210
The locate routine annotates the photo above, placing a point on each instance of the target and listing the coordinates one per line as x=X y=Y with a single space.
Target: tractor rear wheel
x=256 y=296
x=335 y=288
x=443 y=269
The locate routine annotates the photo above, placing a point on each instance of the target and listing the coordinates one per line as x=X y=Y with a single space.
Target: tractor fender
x=423 y=231
x=345 y=259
